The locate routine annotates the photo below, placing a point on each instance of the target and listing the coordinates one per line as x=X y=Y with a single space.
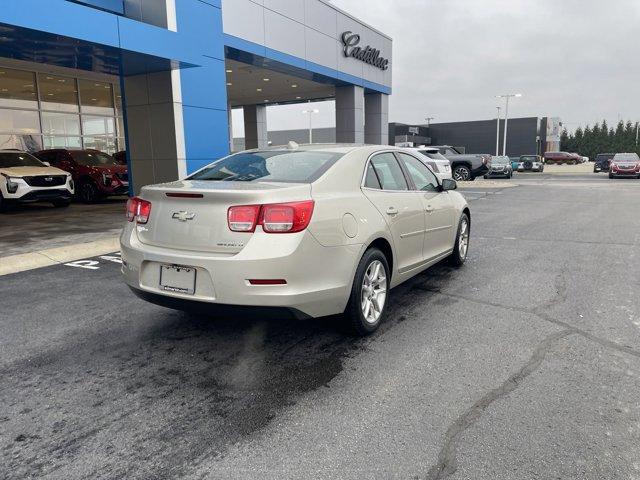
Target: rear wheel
x=610 y=175
x=368 y=300
x=461 y=173
x=461 y=247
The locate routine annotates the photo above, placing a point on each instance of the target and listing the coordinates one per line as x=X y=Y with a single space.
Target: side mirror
x=47 y=164
x=449 y=184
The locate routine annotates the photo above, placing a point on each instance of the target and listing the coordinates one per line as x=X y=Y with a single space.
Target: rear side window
x=389 y=172
x=371 y=178
x=298 y=166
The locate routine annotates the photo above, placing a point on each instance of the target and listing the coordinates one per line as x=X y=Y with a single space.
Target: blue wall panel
x=204 y=90
x=115 y=6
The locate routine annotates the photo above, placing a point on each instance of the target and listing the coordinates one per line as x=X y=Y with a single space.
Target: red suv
x=560 y=158
x=96 y=174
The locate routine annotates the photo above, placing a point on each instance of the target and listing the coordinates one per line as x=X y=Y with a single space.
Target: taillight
x=138 y=210
x=243 y=218
x=286 y=217
x=274 y=218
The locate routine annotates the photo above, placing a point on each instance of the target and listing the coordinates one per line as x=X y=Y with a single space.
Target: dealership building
x=159 y=78
x=525 y=136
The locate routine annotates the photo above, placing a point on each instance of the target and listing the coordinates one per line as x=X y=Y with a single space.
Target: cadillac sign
x=368 y=54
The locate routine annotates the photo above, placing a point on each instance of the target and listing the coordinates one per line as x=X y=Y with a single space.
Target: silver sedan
x=310 y=230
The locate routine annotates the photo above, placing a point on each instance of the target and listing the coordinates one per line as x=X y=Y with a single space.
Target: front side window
x=270 y=166
x=422 y=177
x=389 y=172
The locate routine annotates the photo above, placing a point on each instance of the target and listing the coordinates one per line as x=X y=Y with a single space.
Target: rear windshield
x=434 y=154
x=93 y=159
x=532 y=158
x=270 y=166
x=604 y=156
x=18 y=159
x=500 y=160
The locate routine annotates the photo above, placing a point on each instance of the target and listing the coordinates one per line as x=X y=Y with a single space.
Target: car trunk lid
x=192 y=215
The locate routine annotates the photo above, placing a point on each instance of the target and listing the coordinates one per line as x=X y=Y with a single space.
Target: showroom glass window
x=44 y=110
x=19 y=119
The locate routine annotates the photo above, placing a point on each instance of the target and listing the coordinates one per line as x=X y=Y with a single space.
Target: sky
x=575 y=59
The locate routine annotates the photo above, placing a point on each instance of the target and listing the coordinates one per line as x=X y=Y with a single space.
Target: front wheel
x=461 y=247
x=4 y=206
x=461 y=173
x=610 y=175
x=89 y=192
x=368 y=300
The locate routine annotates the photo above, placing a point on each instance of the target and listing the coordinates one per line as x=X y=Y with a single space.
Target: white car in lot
x=440 y=164
x=25 y=179
x=315 y=230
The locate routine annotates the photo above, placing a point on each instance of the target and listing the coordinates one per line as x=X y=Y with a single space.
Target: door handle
x=392 y=211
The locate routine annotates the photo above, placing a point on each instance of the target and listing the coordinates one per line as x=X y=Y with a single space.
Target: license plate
x=176 y=278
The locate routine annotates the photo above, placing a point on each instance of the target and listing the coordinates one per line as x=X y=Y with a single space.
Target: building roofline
x=355 y=19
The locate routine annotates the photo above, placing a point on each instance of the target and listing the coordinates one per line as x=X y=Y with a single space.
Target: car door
x=387 y=188
x=438 y=207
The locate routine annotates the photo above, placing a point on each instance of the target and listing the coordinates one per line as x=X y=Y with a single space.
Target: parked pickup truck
x=465 y=166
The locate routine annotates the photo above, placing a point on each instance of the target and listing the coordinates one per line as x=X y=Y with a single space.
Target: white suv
x=24 y=179
x=440 y=165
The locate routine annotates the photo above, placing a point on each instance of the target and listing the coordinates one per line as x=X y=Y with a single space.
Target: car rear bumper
x=493 y=173
x=318 y=278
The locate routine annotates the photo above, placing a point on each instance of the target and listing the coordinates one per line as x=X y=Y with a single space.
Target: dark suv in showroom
x=96 y=174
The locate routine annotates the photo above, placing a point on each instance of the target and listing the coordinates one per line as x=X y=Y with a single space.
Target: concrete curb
x=57 y=256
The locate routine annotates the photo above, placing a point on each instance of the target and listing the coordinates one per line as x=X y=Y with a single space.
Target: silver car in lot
x=313 y=230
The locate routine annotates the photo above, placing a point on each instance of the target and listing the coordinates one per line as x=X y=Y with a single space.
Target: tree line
x=601 y=138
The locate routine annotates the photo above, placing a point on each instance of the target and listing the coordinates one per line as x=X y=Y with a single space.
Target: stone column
x=350 y=114
x=255 y=126
x=376 y=119
x=155 y=135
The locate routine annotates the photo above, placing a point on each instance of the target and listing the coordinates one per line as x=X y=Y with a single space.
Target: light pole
x=506 y=117
x=498 y=132
x=310 y=113
x=637 y=126
x=428 y=119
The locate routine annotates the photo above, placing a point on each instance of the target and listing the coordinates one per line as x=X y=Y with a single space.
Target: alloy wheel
x=373 y=292
x=461 y=174
x=463 y=240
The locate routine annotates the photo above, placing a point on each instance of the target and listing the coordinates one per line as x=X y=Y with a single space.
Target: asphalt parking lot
x=524 y=364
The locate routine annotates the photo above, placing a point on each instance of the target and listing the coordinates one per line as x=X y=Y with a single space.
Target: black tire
x=610 y=175
x=4 y=206
x=461 y=173
x=61 y=203
x=458 y=257
x=486 y=177
x=354 y=314
x=88 y=192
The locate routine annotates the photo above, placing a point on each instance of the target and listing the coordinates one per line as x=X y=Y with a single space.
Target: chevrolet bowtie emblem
x=183 y=216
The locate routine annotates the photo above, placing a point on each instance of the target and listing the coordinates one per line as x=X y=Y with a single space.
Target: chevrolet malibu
x=312 y=230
